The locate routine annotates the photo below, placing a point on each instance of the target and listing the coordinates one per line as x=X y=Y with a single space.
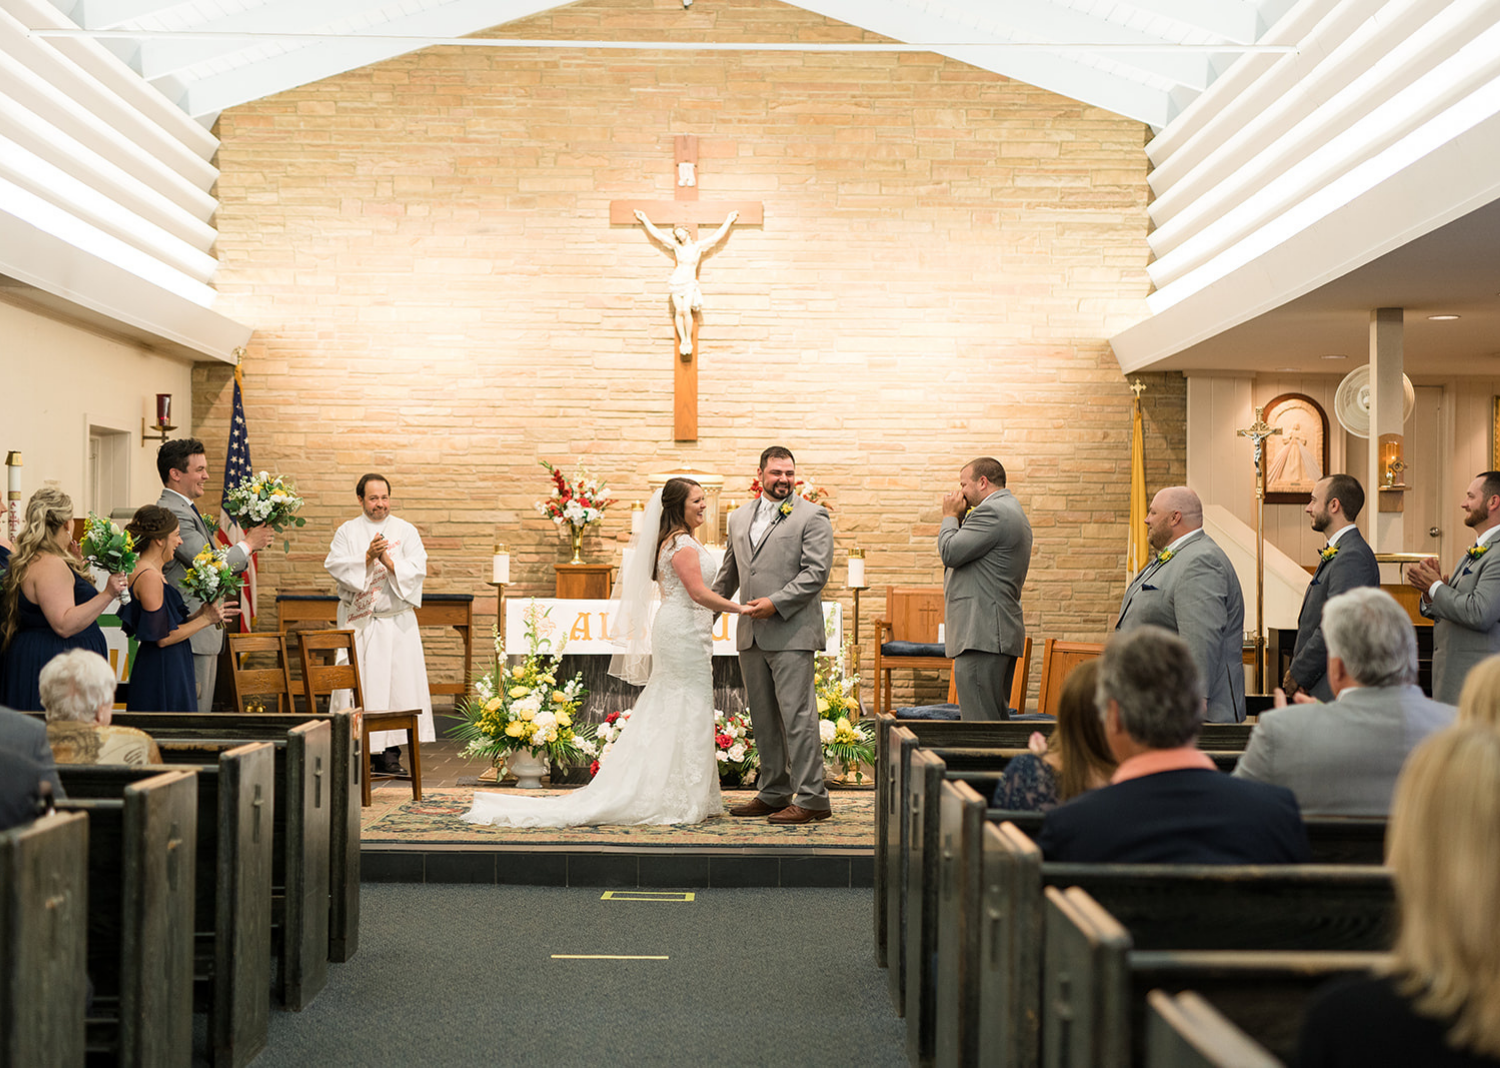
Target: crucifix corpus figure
x=687 y=297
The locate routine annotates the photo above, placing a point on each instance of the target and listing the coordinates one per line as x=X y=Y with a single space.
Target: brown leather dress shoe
x=755 y=807
x=798 y=814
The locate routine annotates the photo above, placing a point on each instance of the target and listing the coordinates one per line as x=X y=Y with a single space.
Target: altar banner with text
x=586 y=626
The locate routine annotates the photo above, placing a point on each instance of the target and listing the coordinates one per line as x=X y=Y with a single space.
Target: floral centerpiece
x=577 y=503
x=739 y=761
x=525 y=709
x=109 y=548
x=265 y=500
x=847 y=743
x=211 y=578
x=808 y=490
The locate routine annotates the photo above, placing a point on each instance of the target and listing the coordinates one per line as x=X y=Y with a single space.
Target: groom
x=779 y=554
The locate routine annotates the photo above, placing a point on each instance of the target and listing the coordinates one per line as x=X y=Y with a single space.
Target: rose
x=826 y=730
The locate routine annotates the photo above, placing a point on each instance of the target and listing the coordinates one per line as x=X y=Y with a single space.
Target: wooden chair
x=322 y=674
x=260 y=682
x=912 y=615
x=1017 y=687
x=1059 y=658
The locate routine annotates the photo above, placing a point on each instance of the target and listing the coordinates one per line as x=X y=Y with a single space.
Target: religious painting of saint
x=1298 y=456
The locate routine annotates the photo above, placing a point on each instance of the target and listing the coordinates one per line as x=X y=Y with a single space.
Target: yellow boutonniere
x=1330 y=552
x=1165 y=555
x=1477 y=551
x=786 y=508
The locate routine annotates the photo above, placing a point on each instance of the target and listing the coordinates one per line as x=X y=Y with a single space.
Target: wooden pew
x=1097 y=975
x=1185 y=1031
x=232 y=908
x=193 y=737
x=141 y=885
x=43 y=940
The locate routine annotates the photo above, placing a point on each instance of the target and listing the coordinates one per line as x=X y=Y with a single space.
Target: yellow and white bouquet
x=265 y=500
x=525 y=706
x=109 y=548
x=211 y=578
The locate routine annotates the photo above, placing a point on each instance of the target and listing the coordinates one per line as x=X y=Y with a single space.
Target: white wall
x=57 y=378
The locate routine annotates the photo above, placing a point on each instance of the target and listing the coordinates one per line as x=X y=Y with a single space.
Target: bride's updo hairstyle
x=150 y=523
x=674 y=497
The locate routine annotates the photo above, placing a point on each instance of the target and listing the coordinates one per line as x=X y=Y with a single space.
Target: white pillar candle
x=940 y=633
x=856 y=572
x=500 y=566
x=637 y=514
x=13 y=495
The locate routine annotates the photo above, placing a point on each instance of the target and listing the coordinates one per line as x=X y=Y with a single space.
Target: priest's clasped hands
x=379 y=550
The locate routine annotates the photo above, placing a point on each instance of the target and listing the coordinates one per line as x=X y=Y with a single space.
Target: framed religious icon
x=1298 y=456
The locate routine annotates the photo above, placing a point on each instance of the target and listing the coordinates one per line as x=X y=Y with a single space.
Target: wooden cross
x=687 y=211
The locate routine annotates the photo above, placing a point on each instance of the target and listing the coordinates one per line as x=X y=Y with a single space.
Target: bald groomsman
x=1190 y=588
x=985 y=545
x=1346 y=563
x=1465 y=608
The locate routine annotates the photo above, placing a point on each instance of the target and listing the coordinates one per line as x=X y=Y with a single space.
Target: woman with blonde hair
x=1479 y=701
x=1440 y=1003
x=1076 y=759
x=50 y=604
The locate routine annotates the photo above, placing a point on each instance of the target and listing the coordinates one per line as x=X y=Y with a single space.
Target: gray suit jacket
x=1342 y=758
x=1197 y=595
x=195 y=534
x=985 y=560
x=1467 y=627
x=790 y=566
x=1352 y=566
x=27 y=736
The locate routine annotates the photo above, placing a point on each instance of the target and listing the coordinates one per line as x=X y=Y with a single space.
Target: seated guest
x=1342 y=758
x=78 y=690
x=1076 y=759
x=26 y=736
x=1479 y=701
x=1167 y=803
x=25 y=792
x=50 y=604
x=1439 y=1005
x=161 y=677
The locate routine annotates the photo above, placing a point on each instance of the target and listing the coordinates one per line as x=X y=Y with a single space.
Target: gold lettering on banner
x=604 y=626
x=721 y=631
x=580 y=631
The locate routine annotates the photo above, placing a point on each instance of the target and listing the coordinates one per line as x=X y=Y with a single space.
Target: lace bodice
x=673 y=592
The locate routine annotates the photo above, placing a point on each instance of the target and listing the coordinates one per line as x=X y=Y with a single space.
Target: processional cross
x=685 y=211
x=1257 y=432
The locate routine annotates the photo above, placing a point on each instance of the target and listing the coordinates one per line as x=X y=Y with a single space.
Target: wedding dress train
x=662 y=768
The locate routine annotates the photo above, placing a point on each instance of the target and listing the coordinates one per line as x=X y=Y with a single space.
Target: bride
x=662 y=768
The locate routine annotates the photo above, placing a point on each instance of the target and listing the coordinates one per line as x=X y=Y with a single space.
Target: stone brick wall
x=424 y=249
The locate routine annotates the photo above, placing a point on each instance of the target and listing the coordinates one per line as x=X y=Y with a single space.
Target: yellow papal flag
x=1137 y=548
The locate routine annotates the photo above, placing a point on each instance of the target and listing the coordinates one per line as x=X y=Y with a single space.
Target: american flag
x=237 y=468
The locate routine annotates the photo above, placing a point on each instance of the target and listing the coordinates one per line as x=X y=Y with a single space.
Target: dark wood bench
x=1098 y=971
x=43 y=940
x=1185 y=1031
x=232 y=907
x=142 y=850
x=197 y=738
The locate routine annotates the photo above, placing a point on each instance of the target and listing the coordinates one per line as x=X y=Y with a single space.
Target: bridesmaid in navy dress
x=50 y=604
x=161 y=678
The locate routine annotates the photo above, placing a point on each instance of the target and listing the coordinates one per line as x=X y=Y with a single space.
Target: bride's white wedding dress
x=662 y=768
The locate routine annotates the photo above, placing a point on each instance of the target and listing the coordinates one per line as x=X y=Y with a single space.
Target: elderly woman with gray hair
x=78 y=693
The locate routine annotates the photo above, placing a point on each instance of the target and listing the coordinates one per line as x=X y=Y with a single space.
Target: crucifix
x=684 y=213
x=1257 y=432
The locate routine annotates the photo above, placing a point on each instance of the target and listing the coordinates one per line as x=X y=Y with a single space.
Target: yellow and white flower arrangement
x=847 y=743
x=265 y=500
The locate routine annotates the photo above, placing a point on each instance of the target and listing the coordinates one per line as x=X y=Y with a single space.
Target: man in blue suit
x=1346 y=563
x=1167 y=803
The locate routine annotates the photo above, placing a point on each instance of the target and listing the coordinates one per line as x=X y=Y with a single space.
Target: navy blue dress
x=36 y=643
x=1029 y=783
x=161 y=678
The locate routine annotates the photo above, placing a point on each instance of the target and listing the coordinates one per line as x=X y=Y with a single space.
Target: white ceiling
x=205 y=76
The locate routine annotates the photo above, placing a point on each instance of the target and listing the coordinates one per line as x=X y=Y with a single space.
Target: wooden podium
x=584 y=582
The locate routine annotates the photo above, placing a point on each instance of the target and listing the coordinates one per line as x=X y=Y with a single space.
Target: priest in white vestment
x=379 y=564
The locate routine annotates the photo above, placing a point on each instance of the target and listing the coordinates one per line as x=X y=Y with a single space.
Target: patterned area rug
x=394 y=818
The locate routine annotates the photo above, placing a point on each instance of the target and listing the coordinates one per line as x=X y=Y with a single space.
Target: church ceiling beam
x=1237 y=21
x=114 y=14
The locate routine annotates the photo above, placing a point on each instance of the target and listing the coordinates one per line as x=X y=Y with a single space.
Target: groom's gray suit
x=789 y=565
x=209 y=641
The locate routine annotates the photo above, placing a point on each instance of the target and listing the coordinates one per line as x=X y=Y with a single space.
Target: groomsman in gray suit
x=1342 y=758
x=985 y=545
x=1466 y=607
x=1190 y=588
x=779 y=552
x=183 y=468
x=1346 y=563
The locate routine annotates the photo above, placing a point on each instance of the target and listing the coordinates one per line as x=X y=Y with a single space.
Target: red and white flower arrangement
x=734 y=748
x=807 y=489
x=605 y=736
x=577 y=503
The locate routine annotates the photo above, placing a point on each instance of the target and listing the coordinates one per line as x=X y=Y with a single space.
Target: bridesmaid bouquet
x=265 y=501
x=211 y=578
x=109 y=548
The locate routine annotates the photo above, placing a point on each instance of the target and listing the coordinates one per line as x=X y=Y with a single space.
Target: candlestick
x=637 y=515
x=500 y=566
x=857 y=569
x=13 y=494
